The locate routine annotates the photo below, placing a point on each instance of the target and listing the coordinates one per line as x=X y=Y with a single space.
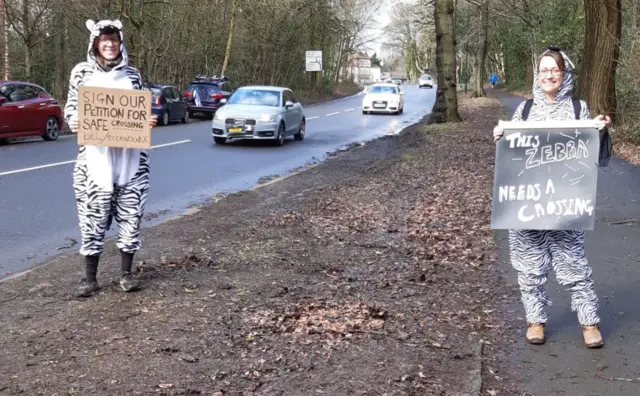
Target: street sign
x=365 y=63
x=314 y=61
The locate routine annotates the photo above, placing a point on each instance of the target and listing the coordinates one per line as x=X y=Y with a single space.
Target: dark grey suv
x=203 y=95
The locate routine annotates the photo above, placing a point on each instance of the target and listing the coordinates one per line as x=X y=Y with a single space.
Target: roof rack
x=201 y=77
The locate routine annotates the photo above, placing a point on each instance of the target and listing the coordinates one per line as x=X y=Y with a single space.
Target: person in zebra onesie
x=108 y=182
x=534 y=252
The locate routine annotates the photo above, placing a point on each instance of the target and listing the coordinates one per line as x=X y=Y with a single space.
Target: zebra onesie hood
x=107 y=181
x=534 y=252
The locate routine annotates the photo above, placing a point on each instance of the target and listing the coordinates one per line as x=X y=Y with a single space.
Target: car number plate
x=235 y=130
x=379 y=105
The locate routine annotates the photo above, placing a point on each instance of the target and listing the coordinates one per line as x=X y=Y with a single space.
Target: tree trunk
x=445 y=109
x=596 y=84
x=481 y=53
x=26 y=29
x=4 y=38
x=61 y=77
x=227 y=51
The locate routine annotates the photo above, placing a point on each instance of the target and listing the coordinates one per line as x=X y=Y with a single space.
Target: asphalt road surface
x=37 y=208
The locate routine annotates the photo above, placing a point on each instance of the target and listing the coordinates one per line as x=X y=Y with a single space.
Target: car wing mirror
x=288 y=104
x=223 y=100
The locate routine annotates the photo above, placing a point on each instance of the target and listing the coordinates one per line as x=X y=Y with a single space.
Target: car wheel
x=219 y=140
x=164 y=120
x=280 y=138
x=301 y=132
x=186 y=117
x=51 y=129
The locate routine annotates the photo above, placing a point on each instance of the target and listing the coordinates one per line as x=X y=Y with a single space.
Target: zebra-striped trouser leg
x=127 y=203
x=534 y=252
x=130 y=201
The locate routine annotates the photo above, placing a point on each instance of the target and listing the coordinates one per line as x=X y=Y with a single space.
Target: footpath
x=563 y=366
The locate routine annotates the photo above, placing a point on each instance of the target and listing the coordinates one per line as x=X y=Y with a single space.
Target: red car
x=28 y=110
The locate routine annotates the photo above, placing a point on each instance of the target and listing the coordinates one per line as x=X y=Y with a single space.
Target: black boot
x=88 y=285
x=127 y=282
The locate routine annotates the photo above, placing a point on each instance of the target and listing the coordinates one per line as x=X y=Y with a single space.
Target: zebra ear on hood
x=117 y=23
x=90 y=23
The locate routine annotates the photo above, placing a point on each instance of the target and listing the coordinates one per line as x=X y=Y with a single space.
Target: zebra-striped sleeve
x=517 y=116
x=71 y=105
x=585 y=112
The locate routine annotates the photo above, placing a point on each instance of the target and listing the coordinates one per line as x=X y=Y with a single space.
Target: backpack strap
x=526 y=109
x=577 y=108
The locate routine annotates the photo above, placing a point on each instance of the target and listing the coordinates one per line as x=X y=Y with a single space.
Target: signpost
x=546 y=176
x=314 y=61
x=114 y=117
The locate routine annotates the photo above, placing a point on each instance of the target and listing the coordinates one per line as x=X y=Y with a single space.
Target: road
x=563 y=365
x=37 y=206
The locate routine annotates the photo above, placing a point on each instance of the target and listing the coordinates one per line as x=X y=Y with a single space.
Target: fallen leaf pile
x=451 y=221
x=330 y=319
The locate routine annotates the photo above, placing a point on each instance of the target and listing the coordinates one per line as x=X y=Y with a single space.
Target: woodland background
x=264 y=41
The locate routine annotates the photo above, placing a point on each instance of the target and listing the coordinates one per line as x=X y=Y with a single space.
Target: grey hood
x=96 y=27
x=566 y=87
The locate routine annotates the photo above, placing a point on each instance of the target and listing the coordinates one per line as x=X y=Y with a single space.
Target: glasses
x=554 y=72
x=106 y=40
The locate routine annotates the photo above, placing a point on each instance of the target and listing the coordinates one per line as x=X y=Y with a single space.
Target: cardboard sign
x=114 y=117
x=546 y=176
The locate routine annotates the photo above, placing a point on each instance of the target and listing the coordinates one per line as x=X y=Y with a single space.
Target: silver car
x=261 y=113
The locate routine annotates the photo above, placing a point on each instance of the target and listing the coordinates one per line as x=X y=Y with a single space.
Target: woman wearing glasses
x=106 y=180
x=534 y=252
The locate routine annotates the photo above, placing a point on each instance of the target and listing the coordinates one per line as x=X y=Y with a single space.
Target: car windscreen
x=260 y=97
x=376 y=90
x=204 y=90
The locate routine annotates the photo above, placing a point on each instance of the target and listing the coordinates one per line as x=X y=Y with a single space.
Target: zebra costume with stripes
x=107 y=181
x=534 y=252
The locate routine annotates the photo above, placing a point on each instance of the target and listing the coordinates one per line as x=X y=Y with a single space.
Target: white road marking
x=72 y=161
x=330 y=114
x=312 y=118
x=349 y=110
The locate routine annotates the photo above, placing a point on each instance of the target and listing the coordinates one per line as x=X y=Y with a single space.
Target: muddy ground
x=373 y=273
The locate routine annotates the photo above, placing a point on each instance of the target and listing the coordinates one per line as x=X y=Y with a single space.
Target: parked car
x=383 y=98
x=204 y=94
x=260 y=112
x=168 y=104
x=425 y=81
x=27 y=109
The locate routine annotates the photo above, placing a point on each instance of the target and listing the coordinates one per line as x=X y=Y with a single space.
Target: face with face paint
x=550 y=76
x=108 y=46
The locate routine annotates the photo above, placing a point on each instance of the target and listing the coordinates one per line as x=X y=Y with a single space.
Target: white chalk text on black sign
x=546 y=176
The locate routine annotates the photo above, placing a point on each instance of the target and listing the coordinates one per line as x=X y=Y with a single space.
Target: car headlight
x=267 y=117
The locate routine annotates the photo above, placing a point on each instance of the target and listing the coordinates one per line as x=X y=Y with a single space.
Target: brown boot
x=535 y=333
x=592 y=337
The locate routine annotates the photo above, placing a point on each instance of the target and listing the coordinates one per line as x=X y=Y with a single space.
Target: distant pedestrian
x=493 y=80
x=534 y=252
x=107 y=181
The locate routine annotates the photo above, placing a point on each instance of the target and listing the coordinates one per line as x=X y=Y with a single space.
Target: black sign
x=546 y=179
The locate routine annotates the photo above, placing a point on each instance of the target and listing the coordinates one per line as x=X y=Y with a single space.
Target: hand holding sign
x=114 y=117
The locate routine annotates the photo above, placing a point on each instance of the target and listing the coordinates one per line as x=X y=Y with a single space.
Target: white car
x=259 y=113
x=425 y=81
x=383 y=98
